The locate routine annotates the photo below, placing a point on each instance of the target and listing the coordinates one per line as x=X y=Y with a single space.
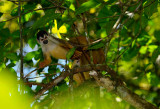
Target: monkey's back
x=97 y=54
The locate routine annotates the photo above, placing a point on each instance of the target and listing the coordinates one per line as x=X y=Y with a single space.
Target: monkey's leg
x=46 y=61
x=78 y=76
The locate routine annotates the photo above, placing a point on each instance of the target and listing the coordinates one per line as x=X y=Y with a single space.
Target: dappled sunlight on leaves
x=7 y=6
x=12 y=25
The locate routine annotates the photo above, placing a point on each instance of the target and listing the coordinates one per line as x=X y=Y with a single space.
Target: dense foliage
x=129 y=31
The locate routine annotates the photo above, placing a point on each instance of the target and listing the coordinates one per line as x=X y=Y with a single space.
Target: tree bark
x=116 y=85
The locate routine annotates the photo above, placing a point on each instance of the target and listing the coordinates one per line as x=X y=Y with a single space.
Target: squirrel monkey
x=58 y=49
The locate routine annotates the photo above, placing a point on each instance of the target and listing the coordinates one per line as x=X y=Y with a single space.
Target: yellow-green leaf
x=70 y=53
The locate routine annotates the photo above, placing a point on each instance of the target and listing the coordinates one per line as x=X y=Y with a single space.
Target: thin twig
x=127 y=46
x=114 y=29
x=149 y=4
x=53 y=2
x=41 y=68
x=52 y=83
x=31 y=72
x=46 y=75
x=119 y=40
x=76 y=29
x=120 y=25
x=33 y=83
x=129 y=5
x=108 y=17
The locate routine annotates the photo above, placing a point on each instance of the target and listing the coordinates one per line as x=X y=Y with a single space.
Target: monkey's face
x=42 y=37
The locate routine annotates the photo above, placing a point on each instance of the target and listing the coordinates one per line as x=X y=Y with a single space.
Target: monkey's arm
x=47 y=60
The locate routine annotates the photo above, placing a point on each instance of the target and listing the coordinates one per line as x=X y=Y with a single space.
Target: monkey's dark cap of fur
x=41 y=34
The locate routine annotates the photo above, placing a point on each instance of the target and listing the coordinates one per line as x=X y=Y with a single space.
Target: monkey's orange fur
x=58 y=49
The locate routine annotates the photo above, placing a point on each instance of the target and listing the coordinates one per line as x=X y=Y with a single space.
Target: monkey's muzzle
x=45 y=42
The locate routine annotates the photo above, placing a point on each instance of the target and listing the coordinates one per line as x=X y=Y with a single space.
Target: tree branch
x=40 y=68
x=51 y=84
x=125 y=94
x=116 y=85
x=21 y=40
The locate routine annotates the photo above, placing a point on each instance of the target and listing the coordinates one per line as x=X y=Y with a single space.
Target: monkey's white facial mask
x=47 y=43
x=43 y=40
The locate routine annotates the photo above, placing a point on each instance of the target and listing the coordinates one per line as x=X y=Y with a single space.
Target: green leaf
x=148 y=76
x=11 y=65
x=14 y=12
x=155 y=54
x=5 y=33
x=52 y=69
x=39 y=54
x=49 y=16
x=133 y=43
x=72 y=7
x=30 y=55
x=32 y=42
x=152 y=79
x=144 y=21
x=151 y=48
x=124 y=33
x=38 y=88
x=1 y=25
x=12 y=56
x=129 y=54
x=70 y=53
x=45 y=3
x=149 y=10
x=26 y=8
x=157 y=35
x=86 y=6
x=96 y=46
x=1 y=14
x=143 y=50
x=104 y=13
x=15 y=34
x=143 y=38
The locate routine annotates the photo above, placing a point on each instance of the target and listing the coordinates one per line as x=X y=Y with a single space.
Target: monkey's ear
x=38 y=41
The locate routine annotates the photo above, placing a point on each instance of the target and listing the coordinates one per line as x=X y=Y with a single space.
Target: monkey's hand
x=44 y=63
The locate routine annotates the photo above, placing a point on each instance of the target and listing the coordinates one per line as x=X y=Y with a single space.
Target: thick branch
x=116 y=85
x=52 y=83
x=124 y=93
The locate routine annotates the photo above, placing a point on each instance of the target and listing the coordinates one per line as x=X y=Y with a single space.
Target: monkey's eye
x=41 y=39
x=45 y=37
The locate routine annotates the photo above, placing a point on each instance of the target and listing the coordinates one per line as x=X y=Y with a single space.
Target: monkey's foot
x=42 y=64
